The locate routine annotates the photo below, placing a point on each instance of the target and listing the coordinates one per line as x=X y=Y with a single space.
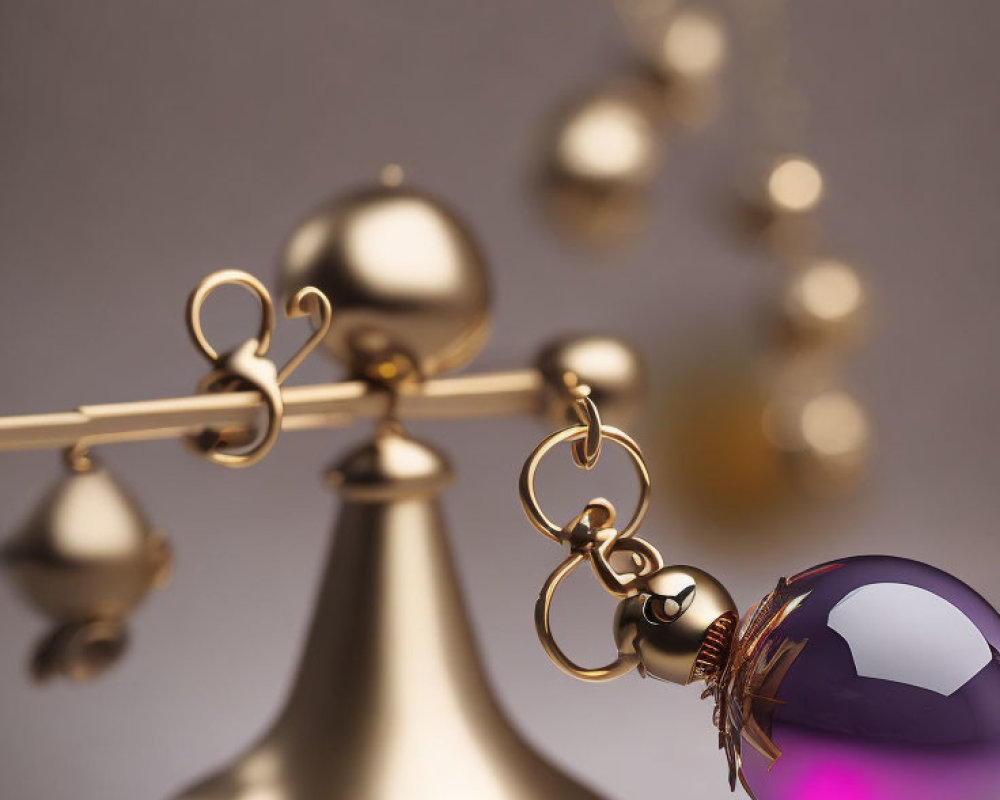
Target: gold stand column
x=391 y=700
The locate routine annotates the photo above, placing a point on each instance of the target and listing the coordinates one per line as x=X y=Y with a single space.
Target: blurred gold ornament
x=693 y=47
x=823 y=304
x=827 y=435
x=599 y=159
x=607 y=142
x=777 y=208
x=407 y=280
x=611 y=368
x=745 y=445
x=686 y=43
x=86 y=558
x=720 y=464
x=794 y=185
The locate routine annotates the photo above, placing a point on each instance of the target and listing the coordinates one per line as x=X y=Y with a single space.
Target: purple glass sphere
x=871 y=678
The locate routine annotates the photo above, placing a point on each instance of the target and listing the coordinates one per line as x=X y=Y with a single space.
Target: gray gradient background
x=145 y=144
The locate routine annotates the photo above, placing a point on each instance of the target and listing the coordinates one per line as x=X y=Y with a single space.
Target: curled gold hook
x=624 y=663
x=307 y=302
x=209 y=285
x=246 y=368
x=78 y=458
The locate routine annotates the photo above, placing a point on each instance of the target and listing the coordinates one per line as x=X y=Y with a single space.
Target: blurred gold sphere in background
x=597 y=161
x=823 y=304
x=794 y=185
x=827 y=435
x=406 y=278
x=607 y=142
x=693 y=47
x=612 y=368
x=743 y=447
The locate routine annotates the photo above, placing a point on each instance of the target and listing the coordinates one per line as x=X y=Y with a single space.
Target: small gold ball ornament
x=823 y=304
x=86 y=558
x=612 y=368
x=607 y=142
x=599 y=158
x=693 y=47
x=794 y=185
x=406 y=278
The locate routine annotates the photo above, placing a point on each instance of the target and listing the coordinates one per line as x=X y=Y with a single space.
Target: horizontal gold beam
x=322 y=406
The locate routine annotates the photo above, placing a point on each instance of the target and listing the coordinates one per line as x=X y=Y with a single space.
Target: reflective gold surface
x=667 y=621
x=390 y=699
x=86 y=558
x=407 y=280
x=611 y=367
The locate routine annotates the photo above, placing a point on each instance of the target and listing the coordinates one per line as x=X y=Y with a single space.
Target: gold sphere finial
x=86 y=558
x=612 y=369
x=406 y=278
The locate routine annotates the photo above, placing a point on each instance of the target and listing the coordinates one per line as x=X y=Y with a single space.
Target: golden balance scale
x=390 y=703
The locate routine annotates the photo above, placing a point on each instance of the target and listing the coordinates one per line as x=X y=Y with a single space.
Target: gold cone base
x=390 y=702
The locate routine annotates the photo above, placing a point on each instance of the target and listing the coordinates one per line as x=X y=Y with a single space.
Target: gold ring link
x=529 y=497
x=587 y=450
x=624 y=663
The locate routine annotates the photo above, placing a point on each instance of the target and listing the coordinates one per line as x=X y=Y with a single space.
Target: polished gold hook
x=78 y=458
x=246 y=367
x=230 y=277
x=307 y=302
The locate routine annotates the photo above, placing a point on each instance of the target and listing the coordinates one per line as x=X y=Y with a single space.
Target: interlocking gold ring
x=587 y=450
x=623 y=664
x=526 y=485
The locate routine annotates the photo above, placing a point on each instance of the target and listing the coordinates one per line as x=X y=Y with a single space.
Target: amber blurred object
x=744 y=445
